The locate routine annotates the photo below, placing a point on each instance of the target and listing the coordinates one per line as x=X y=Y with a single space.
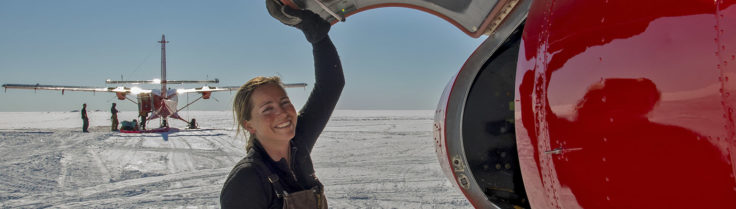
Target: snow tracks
x=67 y=168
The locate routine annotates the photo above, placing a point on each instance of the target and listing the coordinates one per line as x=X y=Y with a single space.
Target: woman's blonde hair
x=243 y=106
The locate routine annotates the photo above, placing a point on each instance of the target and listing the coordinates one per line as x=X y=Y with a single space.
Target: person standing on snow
x=277 y=171
x=85 y=120
x=114 y=118
x=144 y=116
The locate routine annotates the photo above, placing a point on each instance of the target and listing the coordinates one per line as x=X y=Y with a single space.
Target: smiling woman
x=277 y=171
x=259 y=102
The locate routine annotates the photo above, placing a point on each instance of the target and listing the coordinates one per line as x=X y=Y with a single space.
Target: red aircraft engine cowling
x=628 y=104
x=597 y=104
x=206 y=94
x=120 y=95
x=474 y=126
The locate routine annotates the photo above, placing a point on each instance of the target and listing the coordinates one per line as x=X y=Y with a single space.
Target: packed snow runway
x=366 y=159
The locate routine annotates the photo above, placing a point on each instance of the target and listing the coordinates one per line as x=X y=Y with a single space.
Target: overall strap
x=272 y=177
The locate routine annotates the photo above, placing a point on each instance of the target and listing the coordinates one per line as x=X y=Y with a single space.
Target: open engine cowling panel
x=474 y=17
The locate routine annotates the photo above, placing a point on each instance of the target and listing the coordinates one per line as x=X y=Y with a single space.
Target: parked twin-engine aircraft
x=162 y=102
x=586 y=103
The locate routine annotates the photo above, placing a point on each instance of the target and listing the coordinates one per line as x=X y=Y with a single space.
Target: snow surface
x=366 y=159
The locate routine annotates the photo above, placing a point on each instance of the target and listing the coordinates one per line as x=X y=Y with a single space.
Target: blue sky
x=393 y=58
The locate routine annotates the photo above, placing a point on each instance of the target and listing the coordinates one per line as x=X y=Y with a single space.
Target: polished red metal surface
x=628 y=104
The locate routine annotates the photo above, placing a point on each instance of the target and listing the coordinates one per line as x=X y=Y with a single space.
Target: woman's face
x=273 y=117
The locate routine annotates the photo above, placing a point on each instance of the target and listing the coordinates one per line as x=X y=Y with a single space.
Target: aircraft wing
x=204 y=89
x=158 y=81
x=230 y=88
x=55 y=87
x=62 y=88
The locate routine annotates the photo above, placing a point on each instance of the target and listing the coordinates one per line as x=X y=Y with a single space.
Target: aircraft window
x=488 y=130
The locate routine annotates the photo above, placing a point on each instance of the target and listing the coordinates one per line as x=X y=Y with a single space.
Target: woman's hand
x=312 y=25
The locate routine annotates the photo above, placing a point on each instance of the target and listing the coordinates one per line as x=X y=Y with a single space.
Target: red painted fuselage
x=627 y=104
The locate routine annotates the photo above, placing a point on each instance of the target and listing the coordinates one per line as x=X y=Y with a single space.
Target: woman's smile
x=284 y=124
x=274 y=117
